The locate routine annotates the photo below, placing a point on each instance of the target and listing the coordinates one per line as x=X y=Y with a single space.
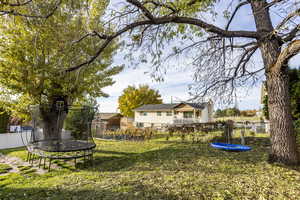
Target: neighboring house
x=111 y=121
x=158 y=115
x=127 y=122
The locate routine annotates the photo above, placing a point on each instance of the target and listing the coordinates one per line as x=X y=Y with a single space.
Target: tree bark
x=53 y=118
x=283 y=139
x=53 y=121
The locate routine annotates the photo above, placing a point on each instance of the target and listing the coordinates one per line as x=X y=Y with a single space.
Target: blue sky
x=176 y=82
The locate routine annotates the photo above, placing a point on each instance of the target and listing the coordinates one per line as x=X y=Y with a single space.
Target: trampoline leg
x=75 y=163
x=44 y=163
x=92 y=160
x=84 y=159
x=40 y=160
x=49 y=165
x=32 y=159
x=27 y=156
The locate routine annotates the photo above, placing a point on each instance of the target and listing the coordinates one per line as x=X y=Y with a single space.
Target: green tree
x=232 y=112
x=79 y=117
x=4 y=120
x=219 y=113
x=133 y=97
x=155 y=23
x=35 y=54
x=294 y=88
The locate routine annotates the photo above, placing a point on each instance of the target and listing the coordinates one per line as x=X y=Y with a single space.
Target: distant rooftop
x=158 y=107
x=108 y=115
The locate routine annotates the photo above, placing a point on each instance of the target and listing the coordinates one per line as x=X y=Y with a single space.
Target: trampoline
x=61 y=132
x=230 y=147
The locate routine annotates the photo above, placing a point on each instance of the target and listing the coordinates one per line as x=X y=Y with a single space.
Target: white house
x=157 y=115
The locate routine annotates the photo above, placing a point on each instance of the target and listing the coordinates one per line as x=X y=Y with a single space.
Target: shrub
x=4 y=121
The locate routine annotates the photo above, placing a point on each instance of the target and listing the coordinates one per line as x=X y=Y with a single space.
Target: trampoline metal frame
x=34 y=151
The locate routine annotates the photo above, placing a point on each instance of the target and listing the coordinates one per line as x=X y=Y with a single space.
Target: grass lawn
x=160 y=169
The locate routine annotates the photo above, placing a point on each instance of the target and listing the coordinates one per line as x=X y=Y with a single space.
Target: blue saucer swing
x=230 y=147
x=228 y=135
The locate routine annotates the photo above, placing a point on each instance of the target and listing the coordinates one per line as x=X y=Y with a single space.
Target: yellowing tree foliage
x=35 y=53
x=133 y=97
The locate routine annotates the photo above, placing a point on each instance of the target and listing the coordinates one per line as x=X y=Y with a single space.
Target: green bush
x=297 y=125
x=4 y=121
x=78 y=120
x=297 y=129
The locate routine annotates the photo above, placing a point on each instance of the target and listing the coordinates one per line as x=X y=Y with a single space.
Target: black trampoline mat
x=63 y=145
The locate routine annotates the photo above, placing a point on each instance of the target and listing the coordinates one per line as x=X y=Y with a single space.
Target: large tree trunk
x=53 y=118
x=283 y=137
x=53 y=121
x=283 y=140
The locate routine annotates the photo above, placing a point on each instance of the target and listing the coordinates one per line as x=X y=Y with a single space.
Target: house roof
x=105 y=116
x=198 y=106
x=149 y=107
x=158 y=107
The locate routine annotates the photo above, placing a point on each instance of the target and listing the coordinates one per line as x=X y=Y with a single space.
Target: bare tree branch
x=245 y=57
x=146 y=12
x=234 y=13
x=292 y=34
x=274 y=2
x=165 y=20
x=291 y=50
x=289 y=17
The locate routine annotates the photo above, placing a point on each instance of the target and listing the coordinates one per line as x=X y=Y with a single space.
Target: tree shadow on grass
x=113 y=152
x=13 y=150
x=182 y=156
x=126 y=191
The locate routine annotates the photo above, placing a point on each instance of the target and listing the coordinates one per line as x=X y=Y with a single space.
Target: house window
x=139 y=125
x=158 y=113
x=188 y=114
x=143 y=113
x=169 y=113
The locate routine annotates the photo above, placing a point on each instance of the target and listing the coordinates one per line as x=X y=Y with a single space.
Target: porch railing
x=186 y=121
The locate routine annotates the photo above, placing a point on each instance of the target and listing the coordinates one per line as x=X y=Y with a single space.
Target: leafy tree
x=133 y=97
x=4 y=120
x=220 y=113
x=265 y=107
x=35 y=54
x=248 y=113
x=43 y=9
x=223 y=56
x=232 y=112
x=294 y=88
x=78 y=118
x=228 y=112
